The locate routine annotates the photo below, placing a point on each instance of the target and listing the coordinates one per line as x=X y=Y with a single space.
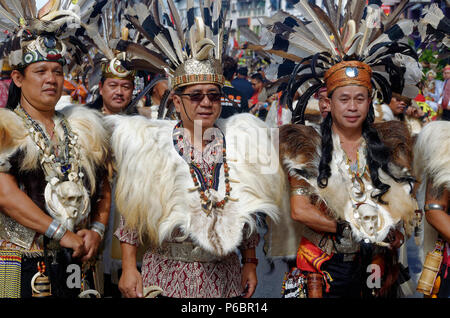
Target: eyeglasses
x=198 y=97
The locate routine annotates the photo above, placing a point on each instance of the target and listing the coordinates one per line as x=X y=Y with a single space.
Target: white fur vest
x=153 y=181
x=86 y=123
x=432 y=165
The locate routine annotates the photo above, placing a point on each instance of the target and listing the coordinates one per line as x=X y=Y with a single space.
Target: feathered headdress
x=48 y=35
x=347 y=42
x=103 y=32
x=189 y=54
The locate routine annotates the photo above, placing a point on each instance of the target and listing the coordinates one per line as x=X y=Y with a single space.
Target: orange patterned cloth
x=310 y=258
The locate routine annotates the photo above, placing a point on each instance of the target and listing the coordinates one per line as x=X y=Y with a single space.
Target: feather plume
x=175 y=40
x=205 y=8
x=50 y=6
x=143 y=53
x=190 y=23
x=390 y=20
x=31 y=7
x=171 y=32
x=6 y=7
x=357 y=12
x=367 y=26
x=217 y=22
x=93 y=33
x=300 y=43
x=393 y=17
x=397 y=32
x=281 y=19
x=17 y=8
x=316 y=26
x=296 y=23
x=323 y=17
x=338 y=15
x=251 y=36
x=434 y=16
x=6 y=27
x=281 y=53
x=331 y=9
x=349 y=34
x=143 y=65
x=156 y=35
x=8 y=19
x=177 y=22
x=155 y=11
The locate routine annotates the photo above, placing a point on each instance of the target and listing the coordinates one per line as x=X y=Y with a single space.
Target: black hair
x=242 y=71
x=258 y=77
x=14 y=93
x=378 y=155
x=229 y=67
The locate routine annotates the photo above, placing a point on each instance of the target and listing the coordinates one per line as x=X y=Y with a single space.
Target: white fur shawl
x=432 y=164
x=432 y=154
x=153 y=181
x=86 y=123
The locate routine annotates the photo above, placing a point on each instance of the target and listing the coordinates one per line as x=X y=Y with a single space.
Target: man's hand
x=91 y=240
x=249 y=279
x=130 y=283
x=74 y=242
x=414 y=112
x=395 y=238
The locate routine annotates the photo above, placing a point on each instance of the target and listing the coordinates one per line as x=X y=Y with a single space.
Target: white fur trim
x=153 y=182
x=86 y=123
x=432 y=154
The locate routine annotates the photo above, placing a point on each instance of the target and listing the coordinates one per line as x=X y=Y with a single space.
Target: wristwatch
x=252 y=260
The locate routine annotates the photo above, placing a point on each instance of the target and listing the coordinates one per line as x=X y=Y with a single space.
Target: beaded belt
x=186 y=252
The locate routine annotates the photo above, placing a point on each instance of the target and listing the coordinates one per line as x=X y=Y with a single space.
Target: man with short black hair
x=257 y=102
x=233 y=101
x=242 y=84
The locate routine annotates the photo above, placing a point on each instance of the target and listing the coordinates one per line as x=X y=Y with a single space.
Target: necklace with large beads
x=207 y=187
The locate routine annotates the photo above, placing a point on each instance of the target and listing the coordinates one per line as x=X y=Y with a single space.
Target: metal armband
x=433 y=206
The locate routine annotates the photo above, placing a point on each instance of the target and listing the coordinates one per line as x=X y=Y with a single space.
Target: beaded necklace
x=356 y=173
x=66 y=197
x=206 y=189
x=63 y=163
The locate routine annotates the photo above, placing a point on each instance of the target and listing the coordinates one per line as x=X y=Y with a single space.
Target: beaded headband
x=45 y=48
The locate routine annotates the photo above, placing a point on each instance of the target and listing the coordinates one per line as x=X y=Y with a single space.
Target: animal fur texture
x=84 y=122
x=300 y=151
x=153 y=181
x=432 y=165
x=432 y=155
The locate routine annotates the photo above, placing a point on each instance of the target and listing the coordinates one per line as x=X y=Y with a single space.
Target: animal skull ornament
x=67 y=202
x=368 y=219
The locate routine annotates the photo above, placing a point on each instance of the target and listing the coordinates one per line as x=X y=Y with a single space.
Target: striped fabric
x=10 y=269
x=310 y=258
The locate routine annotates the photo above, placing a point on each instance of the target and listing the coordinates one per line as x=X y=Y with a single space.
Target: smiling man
x=177 y=189
x=54 y=191
x=115 y=88
x=345 y=180
x=202 y=212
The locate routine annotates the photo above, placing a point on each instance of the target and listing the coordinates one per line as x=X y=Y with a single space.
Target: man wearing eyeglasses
x=203 y=103
x=189 y=188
